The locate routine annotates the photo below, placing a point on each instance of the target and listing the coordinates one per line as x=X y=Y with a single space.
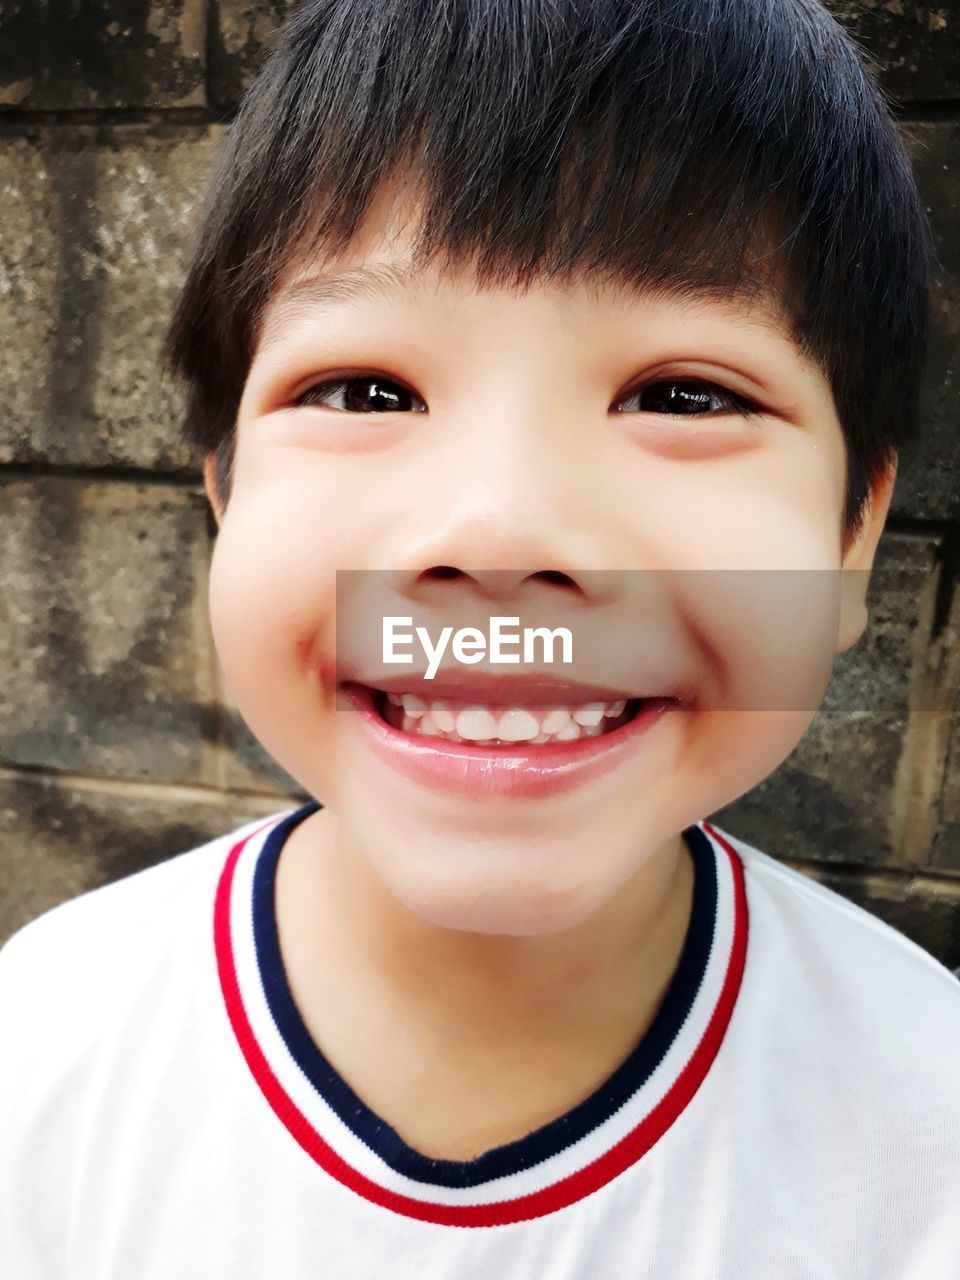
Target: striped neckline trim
x=557 y=1164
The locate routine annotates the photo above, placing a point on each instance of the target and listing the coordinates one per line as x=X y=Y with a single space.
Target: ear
x=858 y=561
x=210 y=485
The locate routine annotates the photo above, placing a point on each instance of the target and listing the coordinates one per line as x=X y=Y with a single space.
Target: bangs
x=646 y=146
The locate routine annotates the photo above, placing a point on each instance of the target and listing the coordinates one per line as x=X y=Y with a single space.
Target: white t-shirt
x=793 y=1112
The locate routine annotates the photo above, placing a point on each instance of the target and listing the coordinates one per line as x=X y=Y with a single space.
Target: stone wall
x=118 y=743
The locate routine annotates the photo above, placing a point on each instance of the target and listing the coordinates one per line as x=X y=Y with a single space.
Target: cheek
x=765 y=592
x=255 y=598
x=777 y=507
x=273 y=571
x=269 y=603
x=778 y=632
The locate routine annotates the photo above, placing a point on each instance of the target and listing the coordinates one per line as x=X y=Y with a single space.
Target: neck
x=609 y=972
x=546 y=1018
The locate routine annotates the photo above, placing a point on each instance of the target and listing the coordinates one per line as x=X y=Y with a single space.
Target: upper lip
x=509 y=690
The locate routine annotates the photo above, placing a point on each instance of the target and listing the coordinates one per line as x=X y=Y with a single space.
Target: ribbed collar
x=555 y=1165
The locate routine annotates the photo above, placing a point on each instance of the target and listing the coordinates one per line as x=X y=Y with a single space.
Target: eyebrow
x=325 y=291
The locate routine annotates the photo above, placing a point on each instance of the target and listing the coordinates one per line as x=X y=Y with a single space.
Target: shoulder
x=87 y=953
x=97 y=996
x=843 y=1057
x=882 y=996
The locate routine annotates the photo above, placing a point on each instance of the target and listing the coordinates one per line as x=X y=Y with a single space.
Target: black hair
x=739 y=148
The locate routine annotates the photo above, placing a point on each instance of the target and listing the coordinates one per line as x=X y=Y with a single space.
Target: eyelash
x=739 y=404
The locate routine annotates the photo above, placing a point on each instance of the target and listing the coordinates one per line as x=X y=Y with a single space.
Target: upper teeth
x=475 y=722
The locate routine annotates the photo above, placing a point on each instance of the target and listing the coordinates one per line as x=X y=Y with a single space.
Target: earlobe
x=858 y=561
x=210 y=485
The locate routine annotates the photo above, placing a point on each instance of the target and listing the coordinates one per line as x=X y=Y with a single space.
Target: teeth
x=591 y=713
x=569 y=732
x=517 y=725
x=555 y=720
x=443 y=717
x=476 y=723
x=481 y=725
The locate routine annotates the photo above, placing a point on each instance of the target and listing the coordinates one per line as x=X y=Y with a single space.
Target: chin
x=481 y=892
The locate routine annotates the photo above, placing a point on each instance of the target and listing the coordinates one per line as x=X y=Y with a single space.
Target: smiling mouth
x=478 y=724
x=449 y=740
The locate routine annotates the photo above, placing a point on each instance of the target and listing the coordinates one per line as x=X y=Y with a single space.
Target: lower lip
x=525 y=770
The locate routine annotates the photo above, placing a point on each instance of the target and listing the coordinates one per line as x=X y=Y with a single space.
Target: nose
x=544 y=568
x=513 y=513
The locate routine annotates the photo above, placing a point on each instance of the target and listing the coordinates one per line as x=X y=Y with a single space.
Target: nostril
x=556 y=576
x=442 y=571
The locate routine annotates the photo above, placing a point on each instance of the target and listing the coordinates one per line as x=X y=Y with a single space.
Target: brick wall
x=118 y=743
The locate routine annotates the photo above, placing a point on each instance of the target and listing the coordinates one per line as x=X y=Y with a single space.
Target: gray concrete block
x=244 y=32
x=104 y=644
x=97 y=229
x=914 y=47
x=57 y=55
x=945 y=850
x=928 y=481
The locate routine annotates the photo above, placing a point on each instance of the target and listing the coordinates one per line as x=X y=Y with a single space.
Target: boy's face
x=517 y=440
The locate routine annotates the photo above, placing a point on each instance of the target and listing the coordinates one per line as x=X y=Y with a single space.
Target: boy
x=497 y=306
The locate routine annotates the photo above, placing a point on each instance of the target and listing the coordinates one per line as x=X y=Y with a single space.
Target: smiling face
x=665 y=460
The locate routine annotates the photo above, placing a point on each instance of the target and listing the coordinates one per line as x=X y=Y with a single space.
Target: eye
x=376 y=393
x=360 y=393
x=690 y=397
